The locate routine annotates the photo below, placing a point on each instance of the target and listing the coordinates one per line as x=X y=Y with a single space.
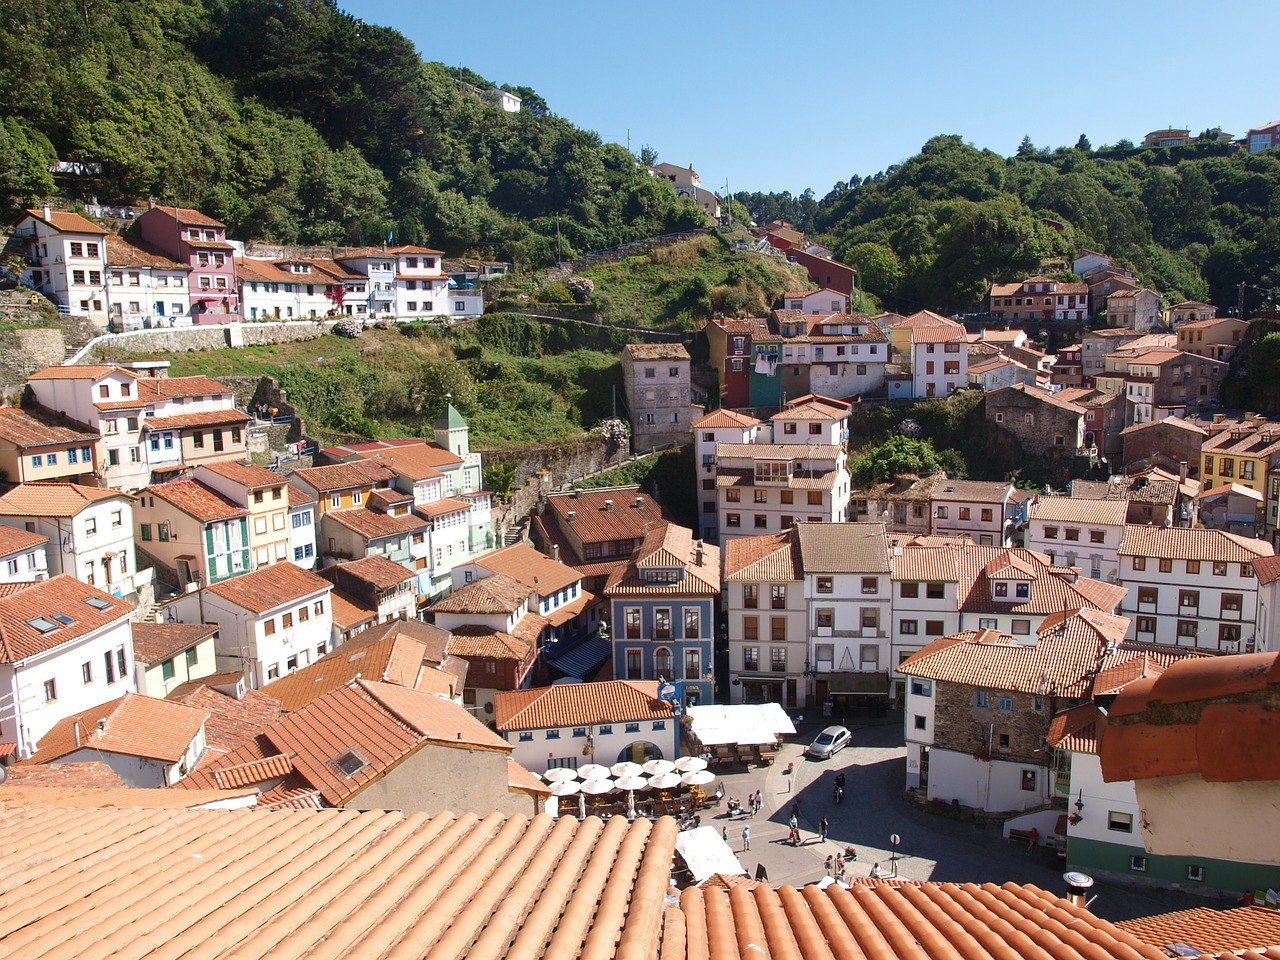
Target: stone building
x=1040 y=421
x=658 y=385
x=1172 y=444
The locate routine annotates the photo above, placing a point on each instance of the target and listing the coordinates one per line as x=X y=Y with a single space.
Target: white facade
x=1078 y=533
x=1190 y=603
x=539 y=750
x=67 y=261
x=849 y=618
x=983 y=784
x=939 y=369
x=108 y=400
x=302 y=535
x=95 y=546
x=816 y=301
x=144 y=772
x=84 y=672
x=922 y=612
x=23 y=564
x=268 y=645
x=777 y=485
x=975 y=509
x=148 y=295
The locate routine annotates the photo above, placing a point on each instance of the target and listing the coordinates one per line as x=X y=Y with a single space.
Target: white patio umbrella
x=598 y=786
x=560 y=775
x=655 y=767
x=697 y=778
x=565 y=788
x=626 y=768
x=666 y=781
x=690 y=764
x=631 y=783
x=592 y=771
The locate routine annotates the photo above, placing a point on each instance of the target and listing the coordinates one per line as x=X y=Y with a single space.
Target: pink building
x=190 y=237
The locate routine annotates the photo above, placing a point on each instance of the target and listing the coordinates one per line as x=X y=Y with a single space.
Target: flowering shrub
x=615 y=431
x=347 y=327
x=581 y=288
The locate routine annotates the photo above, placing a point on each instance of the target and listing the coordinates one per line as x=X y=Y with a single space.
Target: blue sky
x=783 y=96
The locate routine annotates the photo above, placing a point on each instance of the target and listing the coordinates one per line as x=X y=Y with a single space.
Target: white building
x=768 y=487
x=67 y=648
x=1076 y=532
x=379 y=268
x=981 y=510
x=824 y=302
x=145 y=288
x=23 y=555
x=845 y=355
x=768 y=615
x=302 y=527
x=270 y=622
x=716 y=427
x=571 y=724
x=67 y=258
x=1191 y=587
x=90 y=532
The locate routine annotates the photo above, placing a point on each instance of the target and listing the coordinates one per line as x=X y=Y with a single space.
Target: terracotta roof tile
x=348 y=612
x=439 y=508
x=15 y=539
x=66 y=222
x=232 y=720
x=461 y=886
x=1079 y=510
x=579 y=704
x=1061 y=663
x=134 y=726
x=129 y=252
x=656 y=351
x=520 y=780
x=114 y=798
x=190 y=218
x=472 y=641
x=85 y=607
x=376 y=571
x=367 y=524
x=207 y=418
x=269 y=587
x=1212 y=717
x=1075 y=730
x=246 y=474
x=843 y=547
x=1267 y=569
x=499 y=593
x=343 y=476
x=1191 y=543
x=669 y=547
x=80 y=371
x=417 y=461
x=154 y=642
x=1209 y=930
x=36 y=428
x=602 y=516
x=54 y=499
x=196 y=500
x=88 y=774
x=771 y=556
x=724 y=417
x=534 y=570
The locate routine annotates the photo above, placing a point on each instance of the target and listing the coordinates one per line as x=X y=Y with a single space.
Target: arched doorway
x=639 y=752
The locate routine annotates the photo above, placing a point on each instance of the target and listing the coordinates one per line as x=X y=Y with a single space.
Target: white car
x=829 y=742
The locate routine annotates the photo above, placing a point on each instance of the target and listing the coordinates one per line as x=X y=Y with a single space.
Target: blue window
x=85 y=456
x=633 y=728
x=37 y=461
x=982 y=698
x=605 y=729
x=53 y=459
x=659 y=724
x=526 y=736
x=579 y=731
x=553 y=734
x=71 y=455
x=921 y=688
x=1004 y=704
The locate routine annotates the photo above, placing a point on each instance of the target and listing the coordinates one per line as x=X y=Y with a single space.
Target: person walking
x=823 y=825
x=758 y=802
x=746 y=838
x=724 y=834
x=829 y=864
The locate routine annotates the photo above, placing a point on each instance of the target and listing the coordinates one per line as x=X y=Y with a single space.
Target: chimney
x=639 y=503
x=555 y=552
x=577 y=494
x=158 y=617
x=75 y=728
x=1182 y=471
x=1078 y=885
x=698 y=553
x=46 y=211
x=573 y=515
x=608 y=506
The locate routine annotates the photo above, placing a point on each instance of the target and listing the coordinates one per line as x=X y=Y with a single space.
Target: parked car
x=829 y=742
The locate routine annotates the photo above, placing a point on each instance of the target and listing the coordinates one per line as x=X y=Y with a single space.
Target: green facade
x=1114 y=858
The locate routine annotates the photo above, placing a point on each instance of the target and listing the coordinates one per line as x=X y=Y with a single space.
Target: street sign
x=667 y=691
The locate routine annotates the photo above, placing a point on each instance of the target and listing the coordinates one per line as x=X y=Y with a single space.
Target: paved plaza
x=932 y=847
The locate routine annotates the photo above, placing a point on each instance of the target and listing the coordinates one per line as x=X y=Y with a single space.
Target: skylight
x=97 y=603
x=350 y=763
x=43 y=624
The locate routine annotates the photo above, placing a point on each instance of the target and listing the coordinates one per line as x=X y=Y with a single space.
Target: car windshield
x=825 y=738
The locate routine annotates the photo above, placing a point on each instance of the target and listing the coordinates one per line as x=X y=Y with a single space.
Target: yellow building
x=265 y=495
x=170 y=654
x=1217 y=337
x=36 y=446
x=1239 y=453
x=342 y=486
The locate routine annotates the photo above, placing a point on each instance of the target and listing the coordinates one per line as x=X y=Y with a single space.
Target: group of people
x=754 y=803
x=838 y=865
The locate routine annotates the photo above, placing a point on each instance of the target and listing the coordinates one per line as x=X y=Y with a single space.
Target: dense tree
x=895 y=456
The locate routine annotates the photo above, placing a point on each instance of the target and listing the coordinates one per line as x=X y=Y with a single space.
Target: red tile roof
x=499 y=593
x=188 y=217
x=417 y=461
x=472 y=641
x=196 y=500
x=1192 y=543
x=15 y=539
x=368 y=524
x=246 y=474
x=723 y=418
x=1266 y=569
x=154 y=642
x=86 y=607
x=669 y=547
x=65 y=222
x=1211 y=717
x=771 y=556
x=1080 y=510
x=269 y=587
x=1075 y=730
x=536 y=571
x=232 y=720
x=376 y=571
x=134 y=726
x=343 y=476
x=35 y=428
x=43 y=499
x=87 y=774
x=122 y=252
x=579 y=704
x=207 y=418
x=1060 y=663
x=1255 y=928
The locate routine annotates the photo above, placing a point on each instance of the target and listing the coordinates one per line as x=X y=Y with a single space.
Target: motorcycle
x=735 y=808
x=837 y=793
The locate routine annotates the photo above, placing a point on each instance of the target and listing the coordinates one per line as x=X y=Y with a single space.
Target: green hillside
x=295 y=122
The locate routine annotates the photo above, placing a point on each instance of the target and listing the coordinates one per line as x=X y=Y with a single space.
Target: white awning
x=745 y=724
x=706 y=854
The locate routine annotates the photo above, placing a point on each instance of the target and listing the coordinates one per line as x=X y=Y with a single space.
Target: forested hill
x=294 y=122
x=933 y=232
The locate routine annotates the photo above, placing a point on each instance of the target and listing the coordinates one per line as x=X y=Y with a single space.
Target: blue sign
x=667 y=691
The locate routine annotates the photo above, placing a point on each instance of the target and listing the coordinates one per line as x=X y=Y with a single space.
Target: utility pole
x=1240 y=300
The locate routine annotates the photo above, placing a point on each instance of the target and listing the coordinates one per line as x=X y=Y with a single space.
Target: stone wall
x=23 y=352
x=186 y=339
x=543 y=470
x=961 y=725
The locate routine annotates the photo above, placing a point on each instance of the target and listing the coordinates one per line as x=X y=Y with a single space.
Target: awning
x=8 y=749
x=743 y=724
x=856 y=684
x=582 y=659
x=705 y=854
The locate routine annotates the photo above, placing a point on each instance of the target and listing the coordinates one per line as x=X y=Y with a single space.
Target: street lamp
x=894 y=840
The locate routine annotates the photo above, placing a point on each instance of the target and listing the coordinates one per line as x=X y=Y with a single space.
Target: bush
x=348 y=327
x=554 y=293
x=580 y=288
